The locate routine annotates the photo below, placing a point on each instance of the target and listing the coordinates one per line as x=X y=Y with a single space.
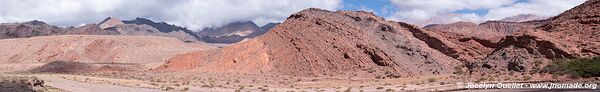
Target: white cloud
x=423 y=12
x=545 y=8
x=221 y=12
x=194 y=14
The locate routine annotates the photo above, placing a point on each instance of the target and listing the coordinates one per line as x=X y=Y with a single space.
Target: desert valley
x=314 y=50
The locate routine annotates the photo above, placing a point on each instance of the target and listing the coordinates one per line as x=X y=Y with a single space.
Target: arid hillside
x=320 y=42
x=147 y=51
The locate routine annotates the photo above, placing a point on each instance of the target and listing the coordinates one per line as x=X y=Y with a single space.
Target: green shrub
x=580 y=67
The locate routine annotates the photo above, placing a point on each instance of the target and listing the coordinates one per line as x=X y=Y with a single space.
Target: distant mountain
x=231 y=33
x=161 y=26
x=141 y=26
x=234 y=32
x=39 y=28
x=89 y=29
x=28 y=29
x=110 y=22
x=522 y=18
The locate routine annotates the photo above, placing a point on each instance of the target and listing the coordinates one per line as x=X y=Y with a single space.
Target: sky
x=198 y=14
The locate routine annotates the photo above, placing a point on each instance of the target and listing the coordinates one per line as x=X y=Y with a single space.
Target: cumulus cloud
x=194 y=14
x=423 y=12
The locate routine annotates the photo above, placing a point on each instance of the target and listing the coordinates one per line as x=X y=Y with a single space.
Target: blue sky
x=380 y=7
x=386 y=8
x=422 y=12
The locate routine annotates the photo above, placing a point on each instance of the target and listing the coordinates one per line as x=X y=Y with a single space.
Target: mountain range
x=314 y=47
x=230 y=33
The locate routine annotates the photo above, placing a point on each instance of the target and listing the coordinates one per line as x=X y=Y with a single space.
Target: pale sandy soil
x=229 y=82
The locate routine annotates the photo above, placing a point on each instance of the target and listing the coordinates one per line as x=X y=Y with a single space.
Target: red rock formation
x=320 y=42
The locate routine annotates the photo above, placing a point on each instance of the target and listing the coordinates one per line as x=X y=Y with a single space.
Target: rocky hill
x=39 y=28
x=320 y=42
x=317 y=42
x=534 y=43
x=145 y=27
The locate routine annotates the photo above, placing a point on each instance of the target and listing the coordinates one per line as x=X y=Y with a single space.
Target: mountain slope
x=522 y=18
x=320 y=42
x=39 y=28
x=147 y=51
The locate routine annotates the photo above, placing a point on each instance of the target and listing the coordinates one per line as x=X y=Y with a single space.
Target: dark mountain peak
x=141 y=20
x=244 y=23
x=35 y=22
x=268 y=26
x=161 y=26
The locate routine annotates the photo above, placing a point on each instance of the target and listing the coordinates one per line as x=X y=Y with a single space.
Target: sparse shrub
x=431 y=79
x=554 y=76
x=481 y=79
x=370 y=70
x=526 y=77
x=379 y=88
x=379 y=77
x=458 y=69
x=387 y=84
x=349 y=89
x=208 y=86
x=168 y=88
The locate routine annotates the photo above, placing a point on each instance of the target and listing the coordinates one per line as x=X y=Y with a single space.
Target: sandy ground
x=212 y=82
